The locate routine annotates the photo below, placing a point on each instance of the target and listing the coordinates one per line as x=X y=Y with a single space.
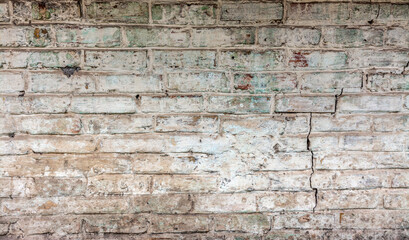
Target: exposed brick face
x=216 y=119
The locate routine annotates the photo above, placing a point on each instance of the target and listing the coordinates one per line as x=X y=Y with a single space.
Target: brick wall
x=204 y=120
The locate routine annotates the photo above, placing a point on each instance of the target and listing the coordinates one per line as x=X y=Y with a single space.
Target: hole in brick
x=69 y=71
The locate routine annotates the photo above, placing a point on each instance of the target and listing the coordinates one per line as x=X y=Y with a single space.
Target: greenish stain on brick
x=135 y=12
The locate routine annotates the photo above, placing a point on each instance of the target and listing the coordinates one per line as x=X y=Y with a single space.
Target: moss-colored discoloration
x=132 y=12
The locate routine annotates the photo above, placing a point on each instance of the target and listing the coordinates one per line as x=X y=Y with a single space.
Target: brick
x=6 y=125
x=374 y=219
x=253 y=223
x=397 y=37
x=297 y=37
x=352 y=37
x=242 y=183
x=324 y=143
x=388 y=82
x=40 y=59
x=37 y=225
x=124 y=184
x=157 y=37
x=282 y=161
x=290 y=181
x=217 y=37
x=118 y=11
x=371 y=58
x=107 y=124
x=130 y=83
x=345 y=123
x=359 y=160
x=265 y=83
x=305 y=59
x=369 y=103
x=4 y=12
x=400 y=180
x=57 y=187
x=330 y=82
x=290 y=201
x=252 y=60
x=88 y=37
x=115 y=60
x=222 y=203
x=304 y=221
x=121 y=224
x=11 y=82
x=49 y=125
x=305 y=104
x=26 y=37
x=172 y=104
x=182 y=224
x=62 y=144
x=184 y=60
x=391 y=123
x=161 y=203
x=239 y=105
x=184 y=184
x=326 y=13
x=195 y=14
x=351 y=179
x=349 y=199
x=198 y=82
x=396 y=199
x=59 y=83
x=46 y=11
x=201 y=123
x=34 y=104
x=103 y=105
x=388 y=143
x=251 y=12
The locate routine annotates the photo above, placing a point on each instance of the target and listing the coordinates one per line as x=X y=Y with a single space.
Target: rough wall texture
x=204 y=120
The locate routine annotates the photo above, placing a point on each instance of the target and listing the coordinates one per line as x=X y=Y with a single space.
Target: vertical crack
x=312 y=165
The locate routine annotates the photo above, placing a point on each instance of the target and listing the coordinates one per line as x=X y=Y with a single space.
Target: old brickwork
x=204 y=120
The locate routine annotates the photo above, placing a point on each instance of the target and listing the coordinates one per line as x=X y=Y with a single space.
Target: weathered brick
x=62 y=144
x=352 y=37
x=277 y=37
x=118 y=11
x=4 y=12
x=57 y=187
x=130 y=83
x=253 y=223
x=369 y=103
x=161 y=203
x=359 y=160
x=189 y=103
x=59 y=83
x=305 y=104
x=46 y=11
x=157 y=37
x=123 y=224
x=345 y=123
x=349 y=199
x=88 y=37
x=290 y=181
x=398 y=199
x=11 y=82
x=124 y=184
x=391 y=123
x=222 y=203
x=327 y=13
x=252 y=60
x=306 y=59
x=324 y=142
x=103 y=105
x=115 y=60
x=184 y=60
x=108 y=124
x=265 y=83
x=34 y=104
x=387 y=143
x=388 y=82
x=304 y=220
x=199 y=123
x=50 y=125
x=217 y=37
x=198 y=82
x=196 y=14
x=373 y=219
x=397 y=37
x=38 y=225
x=351 y=179
x=39 y=59
x=184 y=184
x=330 y=82
x=251 y=12
x=282 y=161
x=240 y=105
x=25 y=37
x=241 y=183
x=182 y=224
x=378 y=58
x=290 y=201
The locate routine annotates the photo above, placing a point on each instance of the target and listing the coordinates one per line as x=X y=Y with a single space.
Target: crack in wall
x=312 y=164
